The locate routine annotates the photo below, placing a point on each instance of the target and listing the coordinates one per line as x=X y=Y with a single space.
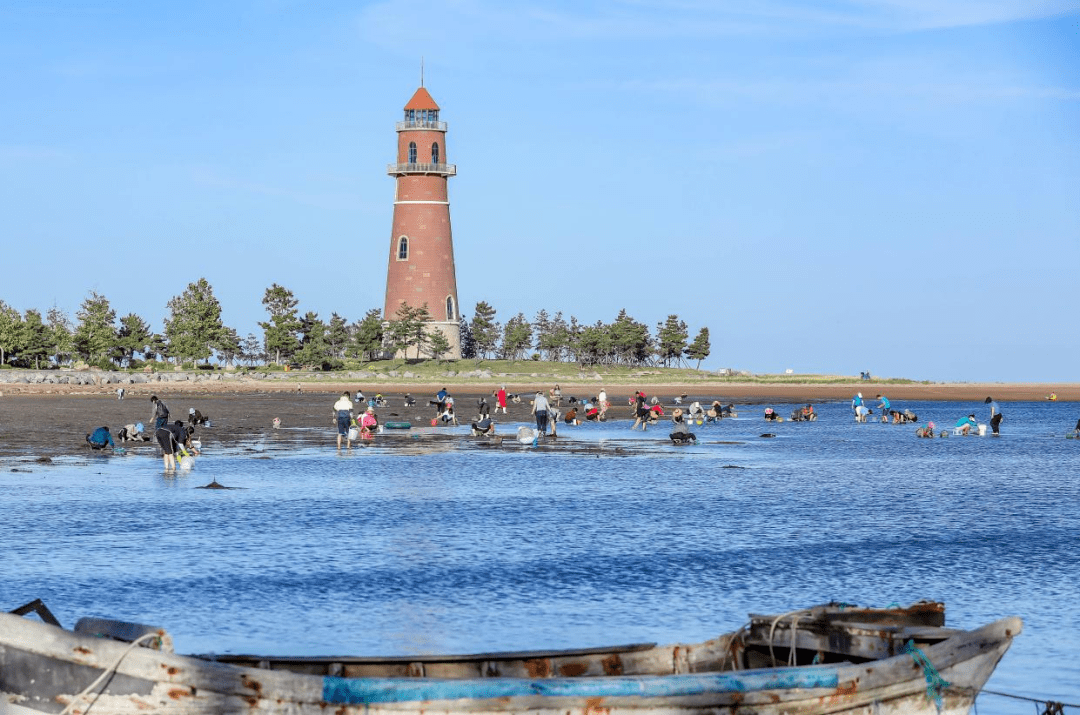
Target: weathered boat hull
x=43 y=669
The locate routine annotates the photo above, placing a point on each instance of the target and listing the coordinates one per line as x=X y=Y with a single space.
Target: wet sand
x=52 y=420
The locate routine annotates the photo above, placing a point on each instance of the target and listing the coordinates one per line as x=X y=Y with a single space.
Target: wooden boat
x=827 y=659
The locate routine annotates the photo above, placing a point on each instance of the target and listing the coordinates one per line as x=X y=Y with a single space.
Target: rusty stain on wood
x=573 y=670
x=538 y=668
x=594 y=706
x=612 y=665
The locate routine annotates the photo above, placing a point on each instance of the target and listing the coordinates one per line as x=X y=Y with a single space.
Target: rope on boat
x=105 y=675
x=1042 y=707
x=934 y=681
x=795 y=617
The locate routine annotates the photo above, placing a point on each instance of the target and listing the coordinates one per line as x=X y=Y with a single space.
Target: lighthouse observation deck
x=420 y=124
x=440 y=169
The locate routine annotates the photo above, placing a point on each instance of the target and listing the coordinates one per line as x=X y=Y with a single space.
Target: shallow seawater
x=611 y=536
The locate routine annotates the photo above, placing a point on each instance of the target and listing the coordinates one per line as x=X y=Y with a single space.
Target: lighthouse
x=421 y=265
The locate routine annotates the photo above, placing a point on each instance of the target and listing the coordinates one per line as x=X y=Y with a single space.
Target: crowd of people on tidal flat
x=548 y=411
x=355 y=418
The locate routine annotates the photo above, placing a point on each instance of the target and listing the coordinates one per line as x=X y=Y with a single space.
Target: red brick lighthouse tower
x=421 y=265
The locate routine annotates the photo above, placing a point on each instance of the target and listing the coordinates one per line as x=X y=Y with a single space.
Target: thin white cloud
x=906 y=84
x=394 y=22
x=24 y=152
x=936 y=14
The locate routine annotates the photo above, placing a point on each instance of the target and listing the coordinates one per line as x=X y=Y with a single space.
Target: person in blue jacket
x=100 y=439
x=966 y=423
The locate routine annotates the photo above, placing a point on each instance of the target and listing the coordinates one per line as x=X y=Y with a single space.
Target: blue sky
x=883 y=185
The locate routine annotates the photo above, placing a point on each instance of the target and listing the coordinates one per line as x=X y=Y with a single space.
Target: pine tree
x=281 y=330
x=630 y=341
x=35 y=338
x=133 y=337
x=593 y=344
x=251 y=350
x=11 y=332
x=466 y=340
x=60 y=341
x=337 y=336
x=95 y=335
x=485 y=330
x=517 y=337
x=368 y=335
x=313 y=347
x=194 y=328
x=541 y=328
x=560 y=338
x=437 y=345
x=229 y=347
x=671 y=336
x=407 y=329
x=699 y=349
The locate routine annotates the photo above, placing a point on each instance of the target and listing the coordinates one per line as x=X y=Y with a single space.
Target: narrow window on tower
x=435 y=153
x=412 y=152
x=403 y=249
x=450 y=308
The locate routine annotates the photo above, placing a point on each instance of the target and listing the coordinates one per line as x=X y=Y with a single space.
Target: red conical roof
x=421 y=100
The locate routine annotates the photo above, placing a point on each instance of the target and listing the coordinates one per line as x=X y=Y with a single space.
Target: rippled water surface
x=611 y=536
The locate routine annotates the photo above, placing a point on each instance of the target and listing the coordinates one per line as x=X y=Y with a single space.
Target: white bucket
x=353 y=434
x=982 y=430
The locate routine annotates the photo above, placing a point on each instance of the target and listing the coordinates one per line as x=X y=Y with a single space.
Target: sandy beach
x=43 y=420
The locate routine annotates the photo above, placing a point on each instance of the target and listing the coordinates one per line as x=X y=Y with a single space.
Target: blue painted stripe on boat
x=357 y=691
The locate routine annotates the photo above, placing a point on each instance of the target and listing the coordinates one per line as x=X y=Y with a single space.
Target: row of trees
x=193 y=331
x=622 y=342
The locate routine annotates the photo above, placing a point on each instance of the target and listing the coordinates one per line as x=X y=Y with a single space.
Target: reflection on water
x=435 y=544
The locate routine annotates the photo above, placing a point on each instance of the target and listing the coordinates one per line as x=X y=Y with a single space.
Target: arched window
x=403 y=249
x=435 y=153
x=412 y=152
x=450 y=308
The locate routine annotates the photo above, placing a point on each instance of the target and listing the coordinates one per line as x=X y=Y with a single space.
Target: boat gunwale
x=229 y=680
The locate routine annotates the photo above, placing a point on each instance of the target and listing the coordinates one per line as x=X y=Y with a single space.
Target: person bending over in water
x=172 y=439
x=680 y=430
x=964 y=424
x=100 y=439
x=369 y=423
x=132 y=433
x=483 y=428
x=447 y=415
x=592 y=414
